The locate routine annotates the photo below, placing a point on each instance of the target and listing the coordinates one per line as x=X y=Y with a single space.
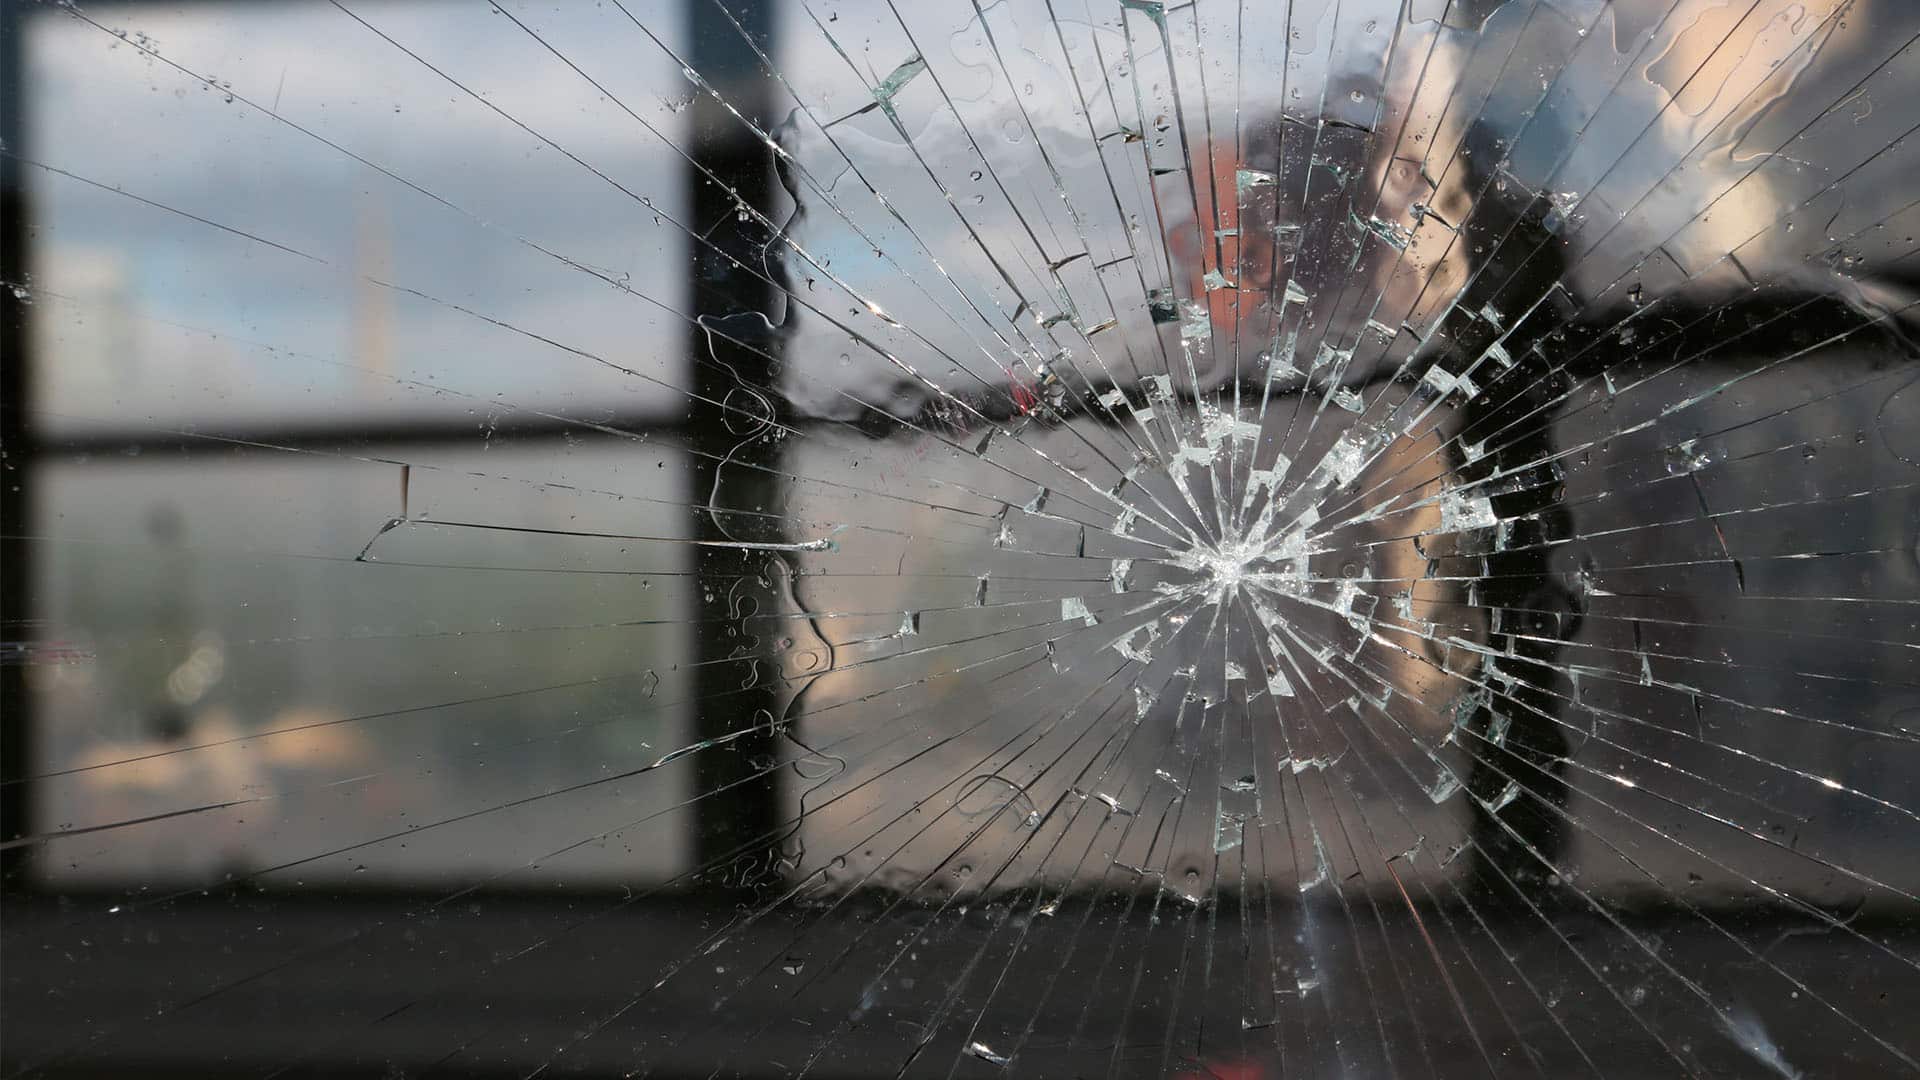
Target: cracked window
x=1031 y=538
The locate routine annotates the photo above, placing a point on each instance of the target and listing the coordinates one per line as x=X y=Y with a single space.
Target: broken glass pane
x=1031 y=538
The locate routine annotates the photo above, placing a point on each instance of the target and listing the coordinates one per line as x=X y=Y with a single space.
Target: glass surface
x=1044 y=538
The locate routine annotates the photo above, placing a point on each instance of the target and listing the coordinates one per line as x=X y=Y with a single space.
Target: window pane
x=228 y=643
x=366 y=209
